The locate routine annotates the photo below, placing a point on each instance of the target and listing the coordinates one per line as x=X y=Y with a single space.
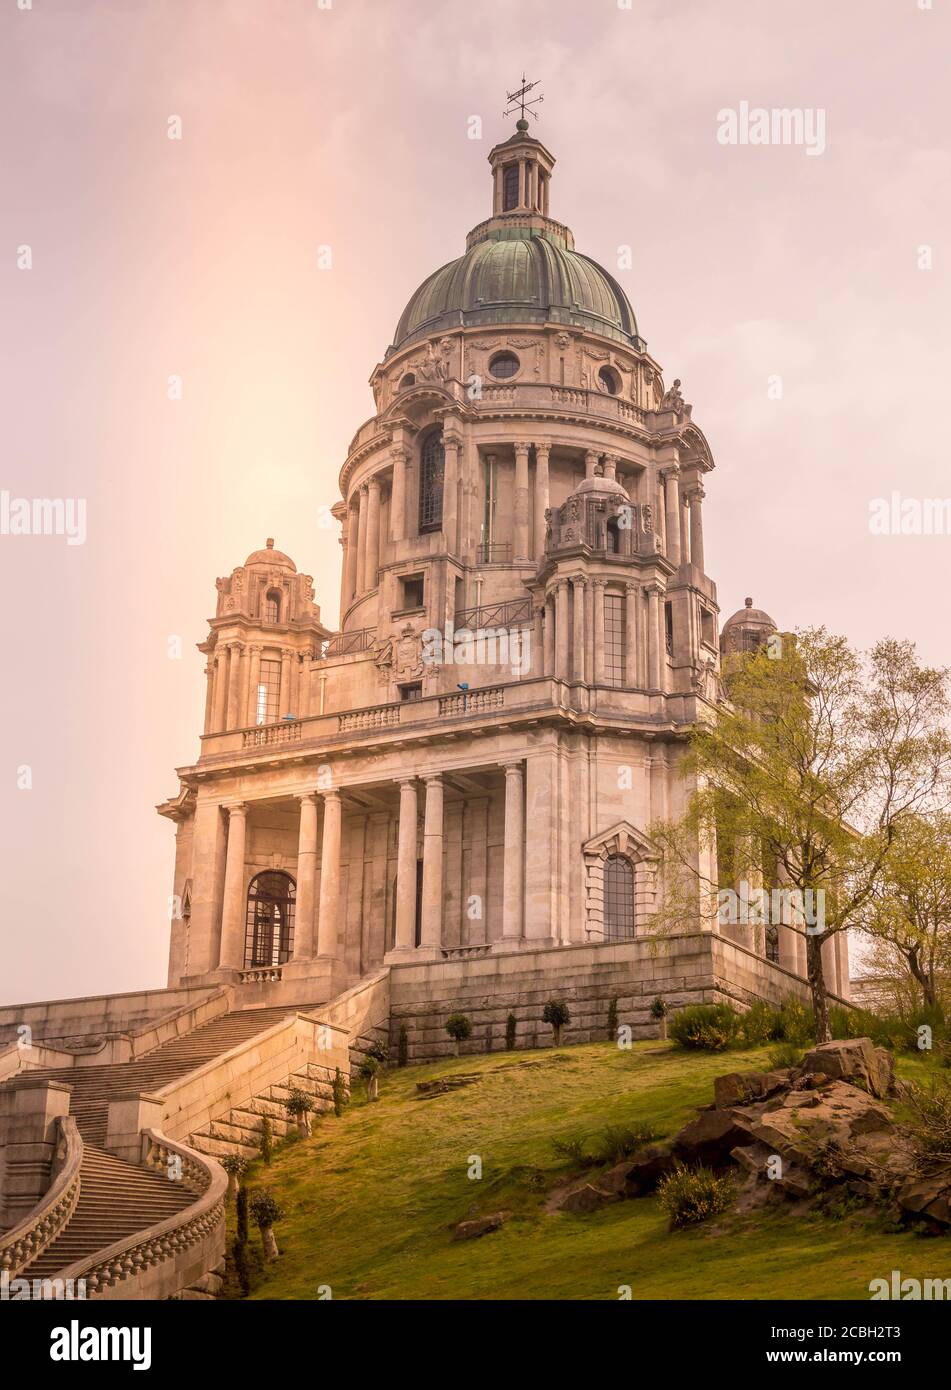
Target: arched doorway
x=269 y=935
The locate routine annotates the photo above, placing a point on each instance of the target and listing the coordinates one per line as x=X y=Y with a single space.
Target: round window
x=504 y=364
x=610 y=381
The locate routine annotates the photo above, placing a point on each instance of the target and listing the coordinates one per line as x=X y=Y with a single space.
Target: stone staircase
x=116 y=1200
x=240 y=1131
x=93 y=1087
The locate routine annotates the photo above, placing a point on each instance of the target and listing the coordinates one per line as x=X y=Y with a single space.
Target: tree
x=556 y=1013
x=511 y=1024
x=299 y=1105
x=266 y=1213
x=909 y=909
x=459 y=1028
x=235 y=1166
x=806 y=772
x=339 y=1092
x=370 y=1076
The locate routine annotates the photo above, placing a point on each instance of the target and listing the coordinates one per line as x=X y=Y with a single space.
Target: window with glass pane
x=432 y=467
x=510 y=188
x=272 y=607
x=613 y=639
x=618 y=898
x=268 y=700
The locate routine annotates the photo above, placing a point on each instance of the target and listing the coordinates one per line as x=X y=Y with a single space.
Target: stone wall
x=688 y=969
x=84 y=1020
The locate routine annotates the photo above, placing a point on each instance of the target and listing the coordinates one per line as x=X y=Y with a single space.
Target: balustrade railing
x=20 y=1246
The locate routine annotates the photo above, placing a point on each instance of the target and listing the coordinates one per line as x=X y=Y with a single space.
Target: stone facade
x=470 y=766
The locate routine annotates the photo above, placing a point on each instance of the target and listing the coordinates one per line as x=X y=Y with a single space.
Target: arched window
x=772 y=943
x=272 y=606
x=432 y=463
x=613 y=537
x=609 y=380
x=618 y=898
x=408 y=380
x=269 y=932
x=510 y=188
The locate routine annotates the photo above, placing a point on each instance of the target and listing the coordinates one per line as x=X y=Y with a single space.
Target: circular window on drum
x=609 y=381
x=503 y=365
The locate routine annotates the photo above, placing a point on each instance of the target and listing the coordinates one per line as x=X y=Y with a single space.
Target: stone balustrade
x=377 y=717
x=288 y=731
x=174 y=1254
x=27 y=1240
x=262 y=975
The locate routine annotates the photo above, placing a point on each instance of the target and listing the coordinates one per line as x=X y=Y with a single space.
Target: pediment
x=621 y=838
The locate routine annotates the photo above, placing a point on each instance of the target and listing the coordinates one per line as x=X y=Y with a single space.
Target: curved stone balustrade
x=162 y=1260
x=21 y=1245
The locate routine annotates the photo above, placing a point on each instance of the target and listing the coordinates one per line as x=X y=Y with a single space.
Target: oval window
x=610 y=381
x=408 y=380
x=504 y=364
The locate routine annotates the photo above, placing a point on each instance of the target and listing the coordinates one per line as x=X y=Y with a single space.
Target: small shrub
x=369 y=1072
x=570 y=1148
x=612 y=1020
x=557 y=1013
x=266 y=1213
x=692 y=1195
x=760 y=1024
x=785 y=1054
x=235 y=1166
x=459 y=1027
x=267 y=1139
x=659 y=1008
x=299 y=1105
x=402 y=1047
x=339 y=1093
x=798 y=1023
x=511 y=1024
x=617 y=1141
x=929 y=1125
x=379 y=1051
x=709 y=1027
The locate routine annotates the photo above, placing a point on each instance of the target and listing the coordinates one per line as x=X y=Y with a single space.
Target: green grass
x=371 y=1198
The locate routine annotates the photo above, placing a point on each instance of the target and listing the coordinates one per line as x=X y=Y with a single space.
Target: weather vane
x=517 y=100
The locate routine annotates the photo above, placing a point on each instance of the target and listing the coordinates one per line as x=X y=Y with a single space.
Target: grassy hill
x=371 y=1197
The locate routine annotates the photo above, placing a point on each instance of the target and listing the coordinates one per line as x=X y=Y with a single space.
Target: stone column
x=373 y=535
x=431 y=920
x=655 y=638
x=284 y=702
x=671 y=477
x=590 y=462
x=219 y=700
x=520 y=500
x=450 y=491
x=306 y=877
x=589 y=633
x=541 y=812
x=630 y=634
x=406 y=868
x=695 y=498
x=329 y=876
x=599 y=673
x=542 y=496
x=610 y=467
x=234 y=684
x=548 y=636
x=561 y=630
x=538 y=667
x=234 y=908
x=398 y=495
x=577 y=636
x=513 y=863
x=362 y=540
x=209 y=696
x=254 y=679
x=350 y=557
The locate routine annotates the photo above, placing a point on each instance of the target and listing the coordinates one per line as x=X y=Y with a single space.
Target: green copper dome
x=519 y=275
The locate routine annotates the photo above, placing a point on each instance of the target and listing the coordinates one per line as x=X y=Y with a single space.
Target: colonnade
x=233 y=675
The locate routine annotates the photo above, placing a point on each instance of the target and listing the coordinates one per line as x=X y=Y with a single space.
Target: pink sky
x=305 y=126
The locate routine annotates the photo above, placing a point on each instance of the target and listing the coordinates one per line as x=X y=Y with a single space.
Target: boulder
x=588 y=1197
x=640 y=1173
x=928 y=1196
x=480 y=1226
x=742 y=1087
x=711 y=1136
x=856 y=1060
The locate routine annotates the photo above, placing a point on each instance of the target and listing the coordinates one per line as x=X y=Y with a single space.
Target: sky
x=178 y=354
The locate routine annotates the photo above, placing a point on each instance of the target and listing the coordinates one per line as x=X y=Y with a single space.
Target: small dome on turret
x=746 y=630
x=599 y=486
x=269 y=556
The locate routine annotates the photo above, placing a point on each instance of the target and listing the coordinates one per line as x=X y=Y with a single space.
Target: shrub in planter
x=299 y=1105
x=707 y=1027
x=370 y=1076
x=557 y=1013
x=692 y=1195
x=266 y=1213
x=459 y=1028
x=510 y=1026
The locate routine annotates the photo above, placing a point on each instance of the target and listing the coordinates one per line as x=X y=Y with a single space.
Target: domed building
x=445 y=802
